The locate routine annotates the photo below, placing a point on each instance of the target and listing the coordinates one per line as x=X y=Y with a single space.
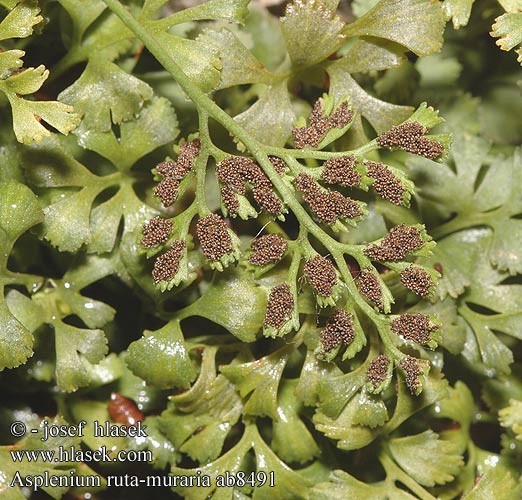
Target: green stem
x=393 y=471
x=463 y=221
x=321 y=155
x=201 y=165
x=260 y=152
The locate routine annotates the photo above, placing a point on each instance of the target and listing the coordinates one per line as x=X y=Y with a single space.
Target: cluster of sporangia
x=238 y=174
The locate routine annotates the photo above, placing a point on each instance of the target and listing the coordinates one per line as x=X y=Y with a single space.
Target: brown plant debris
x=280 y=306
x=417 y=280
x=167 y=191
x=370 y=287
x=213 y=237
x=167 y=265
x=377 y=371
x=267 y=249
x=319 y=126
x=387 y=185
x=341 y=171
x=400 y=241
x=415 y=327
x=327 y=205
x=321 y=274
x=413 y=371
x=409 y=136
x=156 y=231
x=338 y=329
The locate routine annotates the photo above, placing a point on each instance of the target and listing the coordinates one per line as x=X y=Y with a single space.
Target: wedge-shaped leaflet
x=372 y=54
x=10 y=60
x=71 y=221
x=118 y=96
x=455 y=255
x=497 y=482
x=259 y=379
x=76 y=351
x=511 y=416
x=155 y=126
x=67 y=218
x=352 y=436
x=312 y=31
x=20 y=20
x=233 y=461
x=291 y=439
x=508 y=28
x=458 y=11
x=94 y=32
x=491 y=306
x=270 y=118
x=291 y=484
x=19 y=211
x=480 y=195
x=342 y=486
x=239 y=64
x=161 y=358
x=416 y=24
x=381 y=115
x=426 y=458
x=199 y=420
x=234 y=302
x=83 y=14
x=226 y=10
x=27 y=115
x=198 y=61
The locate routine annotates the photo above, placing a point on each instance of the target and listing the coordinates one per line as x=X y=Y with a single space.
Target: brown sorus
x=187 y=154
x=229 y=197
x=267 y=199
x=267 y=249
x=280 y=306
x=166 y=168
x=278 y=163
x=417 y=280
x=321 y=274
x=327 y=205
x=400 y=241
x=410 y=137
x=413 y=372
x=236 y=171
x=370 y=287
x=415 y=327
x=167 y=191
x=341 y=171
x=377 y=371
x=341 y=117
x=387 y=185
x=156 y=231
x=213 y=237
x=319 y=126
x=339 y=329
x=167 y=265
